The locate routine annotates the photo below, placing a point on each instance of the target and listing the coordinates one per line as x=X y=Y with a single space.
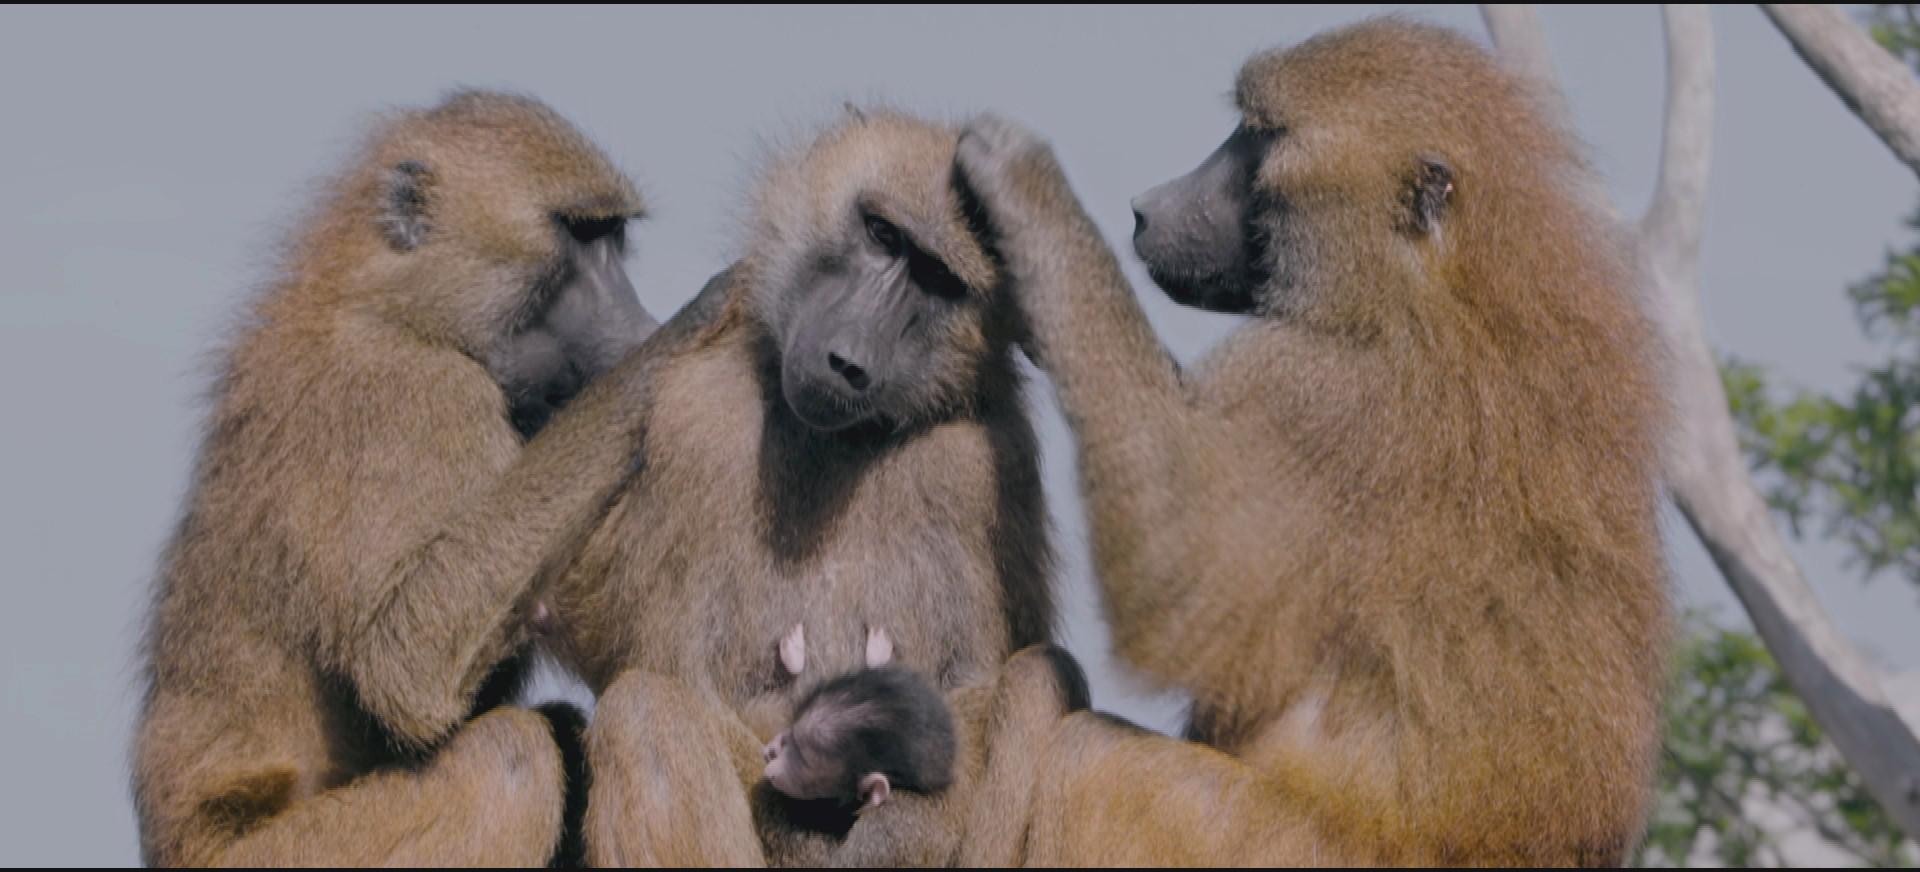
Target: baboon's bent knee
x=1048 y=672
x=518 y=747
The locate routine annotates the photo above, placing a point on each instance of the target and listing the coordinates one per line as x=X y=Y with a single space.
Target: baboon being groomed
x=845 y=448
x=351 y=578
x=1396 y=534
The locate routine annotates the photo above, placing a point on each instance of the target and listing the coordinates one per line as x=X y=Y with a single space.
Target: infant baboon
x=367 y=516
x=1397 y=534
x=860 y=736
x=844 y=445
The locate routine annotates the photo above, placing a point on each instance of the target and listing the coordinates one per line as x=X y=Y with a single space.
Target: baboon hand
x=1010 y=169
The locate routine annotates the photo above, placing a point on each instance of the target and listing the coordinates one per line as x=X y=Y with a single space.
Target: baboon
x=845 y=445
x=859 y=736
x=1396 y=535
x=350 y=579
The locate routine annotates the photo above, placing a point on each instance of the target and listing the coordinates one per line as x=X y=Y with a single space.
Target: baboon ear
x=403 y=205
x=874 y=790
x=1430 y=190
x=859 y=115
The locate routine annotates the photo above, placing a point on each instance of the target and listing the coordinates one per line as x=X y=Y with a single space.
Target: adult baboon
x=365 y=522
x=1396 y=534
x=844 y=447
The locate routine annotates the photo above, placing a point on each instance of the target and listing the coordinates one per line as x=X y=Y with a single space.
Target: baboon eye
x=885 y=235
x=586 y=230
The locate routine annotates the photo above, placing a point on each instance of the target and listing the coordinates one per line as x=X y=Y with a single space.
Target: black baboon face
x=878 y=330
x=1199 y=234
x=581 y=319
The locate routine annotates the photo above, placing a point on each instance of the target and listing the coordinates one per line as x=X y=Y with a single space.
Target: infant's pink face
x=780 y=767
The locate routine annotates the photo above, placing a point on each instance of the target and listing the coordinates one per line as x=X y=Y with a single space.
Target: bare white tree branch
x=1671 y=228
x=1706 y=475
x=1874 y=84
x=1519 y=38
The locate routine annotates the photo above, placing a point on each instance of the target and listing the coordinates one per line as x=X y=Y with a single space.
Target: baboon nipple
x=879 y=648
x=855 y=375
x=793 y=650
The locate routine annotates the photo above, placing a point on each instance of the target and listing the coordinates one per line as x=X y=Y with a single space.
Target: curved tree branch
x=1519 y=39
x=1670 y=230
x=1874 y=84
x=1706 y=474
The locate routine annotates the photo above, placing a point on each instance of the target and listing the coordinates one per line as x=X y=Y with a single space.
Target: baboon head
x=501 y=231
x=1363 y=159
x=870 y=282
x=859 y=736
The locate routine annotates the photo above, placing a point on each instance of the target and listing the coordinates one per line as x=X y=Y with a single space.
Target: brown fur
x=744 y=523
x=364 y=524
x=1397 y=535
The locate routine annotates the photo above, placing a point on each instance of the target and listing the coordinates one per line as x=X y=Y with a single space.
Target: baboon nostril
x=1139 y=222
x=855 y=375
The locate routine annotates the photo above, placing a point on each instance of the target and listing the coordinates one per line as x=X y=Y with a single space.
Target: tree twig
x=1519 y=38
x=1874 y=84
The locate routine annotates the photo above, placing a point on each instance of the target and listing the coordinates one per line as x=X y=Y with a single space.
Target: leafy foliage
x=1851 y=461
x=1744 y=761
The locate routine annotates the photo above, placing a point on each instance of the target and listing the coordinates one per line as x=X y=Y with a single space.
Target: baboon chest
x=750 y=524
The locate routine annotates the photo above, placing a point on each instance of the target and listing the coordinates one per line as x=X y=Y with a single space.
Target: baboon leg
x=1015 y=728
x=1109 y=793
x=492 y=797
x=671 y=770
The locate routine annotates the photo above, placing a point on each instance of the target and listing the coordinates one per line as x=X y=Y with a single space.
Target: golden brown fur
x=364 y=523
x=1397 y=533
x=745 y=522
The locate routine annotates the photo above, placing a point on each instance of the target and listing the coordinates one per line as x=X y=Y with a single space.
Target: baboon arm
x=671 y=771
x=492 y=797
x=420 y=653
x=1119 y=389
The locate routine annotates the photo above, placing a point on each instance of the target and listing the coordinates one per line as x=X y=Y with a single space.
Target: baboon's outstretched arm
x=1120 y=390
x=418 y=655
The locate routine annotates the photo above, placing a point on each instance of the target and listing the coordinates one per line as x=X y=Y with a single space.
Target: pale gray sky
x=149 y=157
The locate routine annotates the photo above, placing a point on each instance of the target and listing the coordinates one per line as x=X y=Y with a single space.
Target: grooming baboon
x=845 y=445
x=1396 y=534
x=365 y=523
